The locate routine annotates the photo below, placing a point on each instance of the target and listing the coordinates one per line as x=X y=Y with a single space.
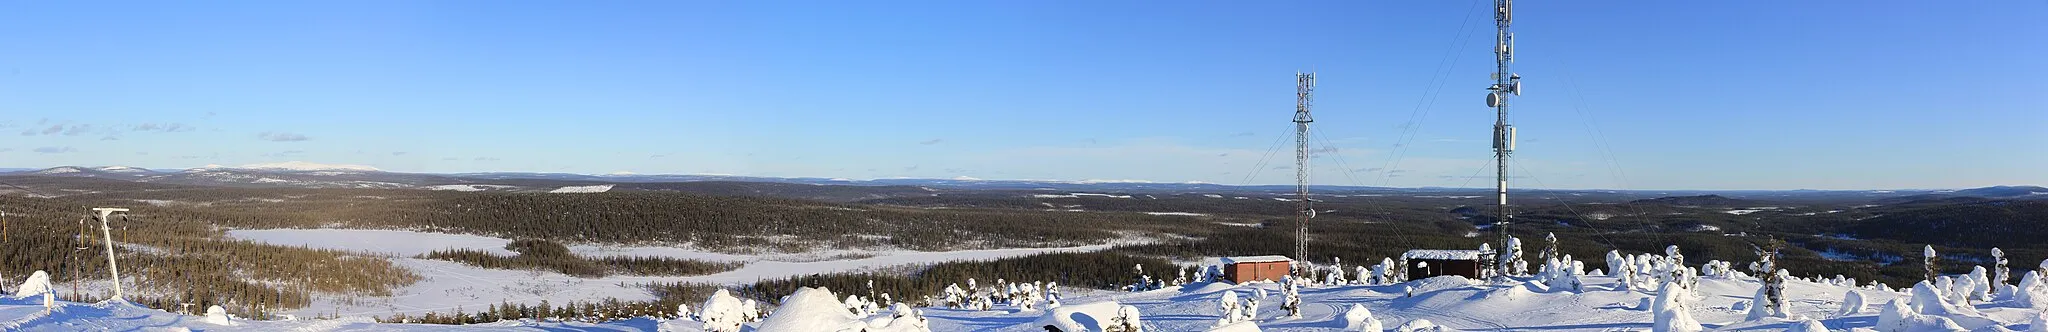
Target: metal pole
x=108 y=233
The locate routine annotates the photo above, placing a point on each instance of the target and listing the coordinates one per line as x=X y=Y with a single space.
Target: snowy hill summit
x=308 y=166
x=1647 y=292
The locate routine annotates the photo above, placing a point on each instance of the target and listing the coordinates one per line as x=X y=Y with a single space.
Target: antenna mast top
x=1505 y=84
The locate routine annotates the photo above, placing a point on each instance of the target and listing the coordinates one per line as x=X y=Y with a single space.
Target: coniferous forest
x=175 y=253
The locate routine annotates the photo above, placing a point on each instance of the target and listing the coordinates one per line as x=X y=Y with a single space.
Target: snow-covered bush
x=955 y=297
x=1419 y=325
x=1928 y=300
x=1126 y=320
x=2029 y=294
x=1897 y=317
x=1562 y=273
x=750 y=311
x=981 y=302
x=1228 y=309
x=1358 y=319
x=722 y=312
x=1671 y=315
x=816 y=309
x=1335 y=274
x=218 y=316
x=902 y=318
x=2043 y=268
x=1980 y=289
x=809 y=309
x=1852 y=303
x=37 y=283
x=1718 y=269
x=1806 y=325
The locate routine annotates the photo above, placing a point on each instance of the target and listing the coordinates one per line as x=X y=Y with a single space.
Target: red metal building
x=1255 y=268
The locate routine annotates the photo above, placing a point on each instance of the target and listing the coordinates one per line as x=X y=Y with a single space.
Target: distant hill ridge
x=1701 y=201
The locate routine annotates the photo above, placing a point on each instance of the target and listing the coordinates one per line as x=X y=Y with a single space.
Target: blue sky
x=1629 y=95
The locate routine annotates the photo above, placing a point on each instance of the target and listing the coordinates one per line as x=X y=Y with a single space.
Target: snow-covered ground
x=1449 y=302
x=468 y=187
x=583 y=189
x=450 y=285
x=28 y=315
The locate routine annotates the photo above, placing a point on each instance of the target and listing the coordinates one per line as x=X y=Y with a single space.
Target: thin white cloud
x=275 y=136
x=55 y=149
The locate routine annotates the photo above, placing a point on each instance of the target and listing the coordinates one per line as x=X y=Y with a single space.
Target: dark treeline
x=592 y=311
x=545 y=255
x=1097 y=270
x=175 y=256
x=730 y=222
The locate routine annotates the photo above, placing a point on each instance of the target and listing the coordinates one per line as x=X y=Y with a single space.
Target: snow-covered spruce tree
x=1366 y=275
x=1928 y=260
x=1126 y=320
x=1336 y=269
x=2001 y=271
x=1228 y=309
x=1615 y=263
x=1511 y=263
x=955 y=297
x=1143 y=282
x=1673 y=268
x=1770 y=299
x=1670 y=313
x=1389 y=272
x=854 y=305
x=1251 y=307
x=1401 y=271
x=2043 y=268
x=1486 y=255
x=1291 y=301
x=1549 y=247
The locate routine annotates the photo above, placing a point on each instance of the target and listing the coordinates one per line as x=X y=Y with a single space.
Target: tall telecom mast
x=1505 y=84
x=1304 y=89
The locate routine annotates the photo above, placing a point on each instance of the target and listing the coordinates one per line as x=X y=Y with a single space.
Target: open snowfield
x=450 y=285
x=1450 y=302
